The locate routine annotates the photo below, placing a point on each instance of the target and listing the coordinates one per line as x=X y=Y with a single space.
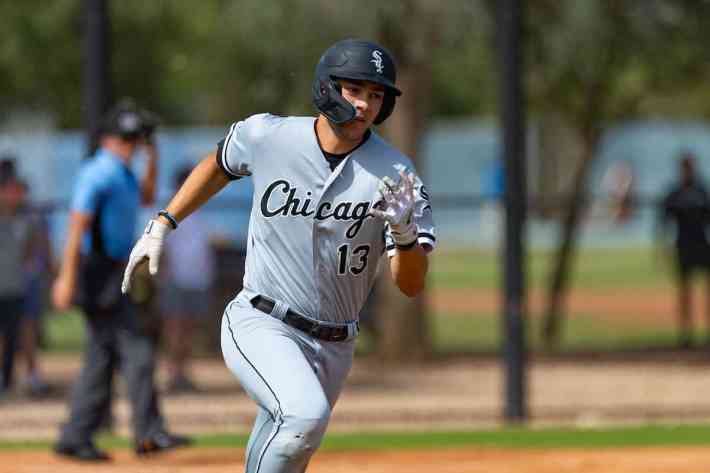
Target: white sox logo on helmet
x=377 y=60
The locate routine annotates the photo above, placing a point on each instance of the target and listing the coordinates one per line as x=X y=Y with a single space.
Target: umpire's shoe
x=84 y=452
x=161 y=442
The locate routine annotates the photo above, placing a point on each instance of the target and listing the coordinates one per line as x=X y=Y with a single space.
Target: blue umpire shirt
x=107 y=189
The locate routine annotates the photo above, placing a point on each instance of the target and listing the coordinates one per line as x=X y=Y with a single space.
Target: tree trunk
x=403 y=332
x=408 y=29
x=559 y=280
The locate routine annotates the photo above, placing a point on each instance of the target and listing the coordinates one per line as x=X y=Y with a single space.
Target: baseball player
x=330 y=198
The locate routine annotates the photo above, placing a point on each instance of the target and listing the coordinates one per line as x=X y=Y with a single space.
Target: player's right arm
x=231 y=161
x=206 y=180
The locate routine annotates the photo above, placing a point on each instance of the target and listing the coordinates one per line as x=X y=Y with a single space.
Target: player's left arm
x=409 y=268
x=404 y=207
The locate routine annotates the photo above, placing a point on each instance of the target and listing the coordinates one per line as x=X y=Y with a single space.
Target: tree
x=412 y=30
x=593 y=64
x=220 y=61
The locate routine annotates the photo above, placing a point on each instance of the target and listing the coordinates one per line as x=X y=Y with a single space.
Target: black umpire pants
x=115 y=339
x=10 y=315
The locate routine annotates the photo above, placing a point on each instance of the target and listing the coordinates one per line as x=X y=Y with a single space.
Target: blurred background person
x=15 y=247
x=618 y=186
x=687 y=207
x=104 y=208
x=38 y=271
x=188 y=274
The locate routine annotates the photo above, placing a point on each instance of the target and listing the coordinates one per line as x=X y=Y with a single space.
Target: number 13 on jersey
x=355 y=261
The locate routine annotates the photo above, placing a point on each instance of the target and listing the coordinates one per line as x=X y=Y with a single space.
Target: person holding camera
x=103 y=212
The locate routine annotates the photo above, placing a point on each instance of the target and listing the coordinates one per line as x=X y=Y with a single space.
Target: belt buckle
x=340 y=334
x=314 y=330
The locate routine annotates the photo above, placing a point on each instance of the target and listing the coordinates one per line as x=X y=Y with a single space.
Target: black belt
x=329 y=333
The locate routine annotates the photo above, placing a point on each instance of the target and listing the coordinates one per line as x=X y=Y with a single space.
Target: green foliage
x=219 y=60
x=604 y=61
x=40 y=60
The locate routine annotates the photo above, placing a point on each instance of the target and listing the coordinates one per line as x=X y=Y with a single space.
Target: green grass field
x=647 y=436
x=622 y=268
x=626 y=269
x=480 y=332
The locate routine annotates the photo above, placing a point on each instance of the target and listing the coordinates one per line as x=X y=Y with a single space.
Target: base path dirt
x=470 y=460
x=451 y=394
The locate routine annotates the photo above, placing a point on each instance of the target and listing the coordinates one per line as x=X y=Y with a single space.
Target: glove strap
x=406 y=238
x=169 y=217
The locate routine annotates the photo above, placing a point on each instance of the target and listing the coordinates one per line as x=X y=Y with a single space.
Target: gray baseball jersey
x=311 y=243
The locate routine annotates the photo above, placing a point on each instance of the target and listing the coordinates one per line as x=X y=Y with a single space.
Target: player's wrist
x=404 y=237
x=406 y=247
x=158 y=227
x=167 y=218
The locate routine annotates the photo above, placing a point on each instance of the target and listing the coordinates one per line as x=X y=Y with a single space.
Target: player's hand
x=63 y=293
x=397 y=207
x=149 y=246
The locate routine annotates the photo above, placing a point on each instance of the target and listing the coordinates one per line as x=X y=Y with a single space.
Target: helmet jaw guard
x=328 y=99
x=357 y=60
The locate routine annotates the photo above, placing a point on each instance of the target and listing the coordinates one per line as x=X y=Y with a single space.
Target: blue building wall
x=459 y=159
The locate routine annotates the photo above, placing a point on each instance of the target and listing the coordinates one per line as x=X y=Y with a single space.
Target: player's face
x=367 y=98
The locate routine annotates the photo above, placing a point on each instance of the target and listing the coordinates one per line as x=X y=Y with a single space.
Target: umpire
x=104 y=208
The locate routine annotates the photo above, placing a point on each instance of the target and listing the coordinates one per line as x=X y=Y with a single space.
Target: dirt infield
x=472 y=460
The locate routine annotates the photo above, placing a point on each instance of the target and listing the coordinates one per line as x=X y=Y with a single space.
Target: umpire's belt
x=330 y=332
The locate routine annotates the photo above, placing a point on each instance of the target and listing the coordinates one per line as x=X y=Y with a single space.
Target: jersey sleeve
x=87 y=192
x=423 y=219
x=234 y=152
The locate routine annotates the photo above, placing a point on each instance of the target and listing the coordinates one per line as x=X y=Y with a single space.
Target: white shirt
x=191 y=259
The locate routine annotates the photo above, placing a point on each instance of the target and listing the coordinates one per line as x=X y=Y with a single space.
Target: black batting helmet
x=353 y=59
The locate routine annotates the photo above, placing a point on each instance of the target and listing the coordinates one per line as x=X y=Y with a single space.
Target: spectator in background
x=38 y=271
x=687 y=206
x=8 y=170
x=185 y=295
x=618 y=186
x=103 y=212
x=15 y=243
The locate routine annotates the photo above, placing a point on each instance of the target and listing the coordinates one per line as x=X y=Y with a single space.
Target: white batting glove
x=149 y=246
x=398 y=207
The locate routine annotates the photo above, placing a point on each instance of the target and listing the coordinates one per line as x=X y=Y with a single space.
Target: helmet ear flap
x=387 y=108
x=330 y=102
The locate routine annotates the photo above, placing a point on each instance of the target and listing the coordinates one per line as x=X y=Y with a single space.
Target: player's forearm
x=148 y=184
x=206 y=180
x=409 y=268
